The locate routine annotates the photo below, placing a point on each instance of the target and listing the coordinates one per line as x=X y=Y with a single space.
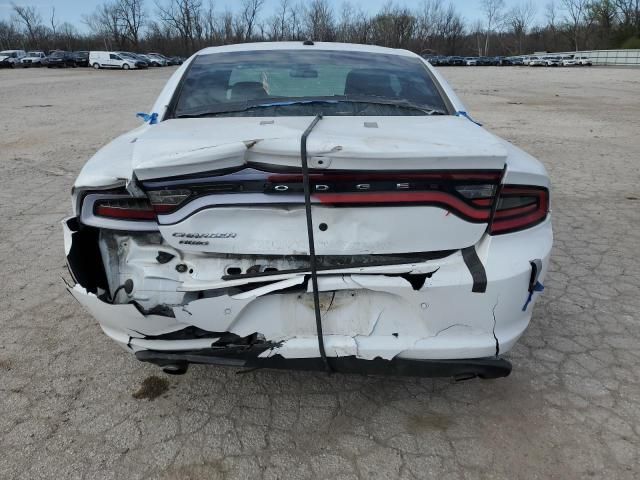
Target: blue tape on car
x=538 y=287
x=467 y=116
x=152 y=118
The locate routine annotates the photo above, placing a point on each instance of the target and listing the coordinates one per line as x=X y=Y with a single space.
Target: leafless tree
x=105 y=22
x=132 y=17
x=248 y=15
x=30 y=19
x=493 y=11
x=428 y=18
x=574 y=16
x=53 y=23
x=280 y=22
x=520 y=18
x=394 y=27
x=478 y=33
x=319 y=21
x=603 y=16
x=9 y=34
x=184 y=17
x=354 y=25
x=629 y=14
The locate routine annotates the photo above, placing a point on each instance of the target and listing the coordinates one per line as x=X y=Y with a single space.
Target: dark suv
x=60 y=58
x=81 y=58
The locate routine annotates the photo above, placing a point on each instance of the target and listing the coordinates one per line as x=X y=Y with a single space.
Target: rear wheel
x=96 y=66
x=125 y=66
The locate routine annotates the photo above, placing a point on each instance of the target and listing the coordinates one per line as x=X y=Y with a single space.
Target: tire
x=125 y=66
x=96 y=66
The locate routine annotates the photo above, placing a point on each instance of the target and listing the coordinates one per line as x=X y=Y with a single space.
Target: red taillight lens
x=519 y=207
x=124 y=209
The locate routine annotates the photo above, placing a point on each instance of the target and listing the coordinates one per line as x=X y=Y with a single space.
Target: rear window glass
x=226 y=81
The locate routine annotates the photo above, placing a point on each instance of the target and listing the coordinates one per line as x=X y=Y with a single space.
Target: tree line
x=181 y=27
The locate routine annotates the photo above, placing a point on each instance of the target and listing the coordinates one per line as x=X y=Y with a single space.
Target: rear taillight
x=165 y=201
x=468 y=194
x=519 y=207
x=124 y=209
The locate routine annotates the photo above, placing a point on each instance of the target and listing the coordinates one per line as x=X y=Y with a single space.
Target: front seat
x=245 y=91
x=368 y=82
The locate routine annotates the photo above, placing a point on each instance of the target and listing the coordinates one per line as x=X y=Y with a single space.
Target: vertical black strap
x=476 y=268
x=312 y=247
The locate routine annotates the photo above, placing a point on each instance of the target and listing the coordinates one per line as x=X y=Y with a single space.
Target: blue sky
x=73 y=10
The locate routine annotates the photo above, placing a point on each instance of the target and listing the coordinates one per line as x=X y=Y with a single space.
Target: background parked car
x=62 y=59
x=536 y=62
x=150 y=61
x=165 y=58
x=583 y=60
x=11 y=58
x=471 y=61
x=82 y=58
x=34 y=59
x=99 y=59
x=138 y=61
x=156 y=60
x=551 y=61
x=512 y=61
x=176 y=60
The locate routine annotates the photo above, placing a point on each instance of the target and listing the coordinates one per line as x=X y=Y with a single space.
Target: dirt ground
x=73 y=405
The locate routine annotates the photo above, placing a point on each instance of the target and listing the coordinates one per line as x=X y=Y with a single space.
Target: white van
x=110 y=60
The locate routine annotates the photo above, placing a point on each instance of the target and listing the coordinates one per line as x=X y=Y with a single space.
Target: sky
x=73 y=10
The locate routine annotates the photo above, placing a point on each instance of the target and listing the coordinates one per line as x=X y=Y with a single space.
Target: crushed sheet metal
x=414 y=268
x=125 y=316
x=257 y=292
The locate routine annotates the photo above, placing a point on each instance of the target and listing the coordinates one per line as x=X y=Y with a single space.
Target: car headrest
x=242 y=91
x=365 y=81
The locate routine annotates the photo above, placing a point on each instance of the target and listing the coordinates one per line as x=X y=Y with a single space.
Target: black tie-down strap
x=476 y=268
x=312 y=247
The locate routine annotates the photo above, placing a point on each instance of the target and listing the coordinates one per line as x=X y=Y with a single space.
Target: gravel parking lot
x=73 y=405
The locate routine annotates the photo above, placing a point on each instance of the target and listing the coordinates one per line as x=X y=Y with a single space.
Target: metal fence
x=609 y=57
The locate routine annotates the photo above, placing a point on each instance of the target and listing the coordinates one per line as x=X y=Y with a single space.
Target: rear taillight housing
x=124 y=209
x=519 y=207
x=166 y=201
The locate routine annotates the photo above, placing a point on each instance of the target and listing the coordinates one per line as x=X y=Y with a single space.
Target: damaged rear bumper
x=375 y=319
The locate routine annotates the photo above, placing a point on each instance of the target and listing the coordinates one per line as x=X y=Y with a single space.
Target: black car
x=456 y=61
x=62 y=59
x=81 y=58
x=175 y=60
x=485 y=61
x=438 y=60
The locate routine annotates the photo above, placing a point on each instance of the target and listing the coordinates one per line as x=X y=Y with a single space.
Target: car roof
x=328 y=46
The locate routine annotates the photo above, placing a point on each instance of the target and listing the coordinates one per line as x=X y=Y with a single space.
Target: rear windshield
x=301 y=82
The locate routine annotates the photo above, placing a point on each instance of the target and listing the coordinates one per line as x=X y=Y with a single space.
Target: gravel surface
x=74 y=405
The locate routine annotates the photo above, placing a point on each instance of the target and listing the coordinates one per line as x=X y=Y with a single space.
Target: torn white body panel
x=351 y=231
x=181 y=147
x=364 y=315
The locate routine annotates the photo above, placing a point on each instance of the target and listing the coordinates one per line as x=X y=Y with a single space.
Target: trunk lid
x=380 y=185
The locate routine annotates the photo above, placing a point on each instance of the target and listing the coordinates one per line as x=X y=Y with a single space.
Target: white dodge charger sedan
x=312 y=206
